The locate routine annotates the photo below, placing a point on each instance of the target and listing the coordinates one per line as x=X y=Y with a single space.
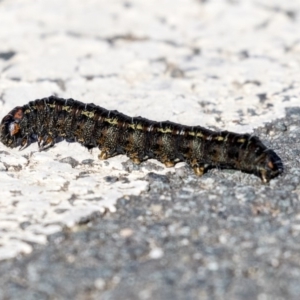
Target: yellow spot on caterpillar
x=112 y=121
x=67 y=108
x=52 y=105
x=139 y=126
x=89 y=114
x=164 y=130
x=241 y=140
x=197 y=134
x=219 y=138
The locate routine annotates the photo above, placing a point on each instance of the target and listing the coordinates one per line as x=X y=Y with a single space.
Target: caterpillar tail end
x=272 y=166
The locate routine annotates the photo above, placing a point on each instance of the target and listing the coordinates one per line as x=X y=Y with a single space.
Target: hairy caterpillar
x=50 y=120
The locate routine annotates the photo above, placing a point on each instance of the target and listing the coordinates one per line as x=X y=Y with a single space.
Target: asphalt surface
x=223 y=236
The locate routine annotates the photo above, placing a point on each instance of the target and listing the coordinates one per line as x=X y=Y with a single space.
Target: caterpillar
x=52 y=119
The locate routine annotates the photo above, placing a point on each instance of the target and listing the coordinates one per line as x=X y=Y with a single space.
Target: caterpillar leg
x=135 y=158
x=106 y=153
x=136 y=161
x=199 y=170
x=263 y=176
x=25 y=143
x=169 y=164
x=45 y=142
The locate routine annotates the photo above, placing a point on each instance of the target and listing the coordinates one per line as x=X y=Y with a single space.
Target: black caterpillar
x=50 y=120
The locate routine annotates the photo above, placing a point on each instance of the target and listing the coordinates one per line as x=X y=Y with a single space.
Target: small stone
x=126 y=232
x=99 y=284
x=69 y=160
x=281 y=126
x=156 y=253
x=156 y=208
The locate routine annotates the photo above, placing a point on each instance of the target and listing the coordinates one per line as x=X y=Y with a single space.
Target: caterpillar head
x=10 y=128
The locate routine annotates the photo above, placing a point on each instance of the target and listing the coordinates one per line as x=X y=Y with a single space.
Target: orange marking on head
x=18 y=114
x=270 y=165
x=15 y=128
